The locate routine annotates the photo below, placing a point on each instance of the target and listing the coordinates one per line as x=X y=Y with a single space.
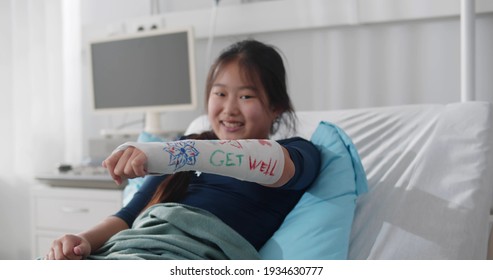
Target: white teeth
x=231 y=124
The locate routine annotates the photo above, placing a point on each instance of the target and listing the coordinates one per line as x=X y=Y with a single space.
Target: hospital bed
x=429 y=179
x=400 y=182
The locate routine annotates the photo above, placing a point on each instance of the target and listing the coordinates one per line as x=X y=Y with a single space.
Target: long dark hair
x=175 y=186
x=263 y=63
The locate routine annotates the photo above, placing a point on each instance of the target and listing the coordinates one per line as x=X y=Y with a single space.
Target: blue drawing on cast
x=182 y=153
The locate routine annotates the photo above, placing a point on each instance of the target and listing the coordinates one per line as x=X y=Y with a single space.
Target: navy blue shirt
x=253 y=210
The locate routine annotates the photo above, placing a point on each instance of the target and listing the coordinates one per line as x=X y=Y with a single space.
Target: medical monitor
x=149 y=72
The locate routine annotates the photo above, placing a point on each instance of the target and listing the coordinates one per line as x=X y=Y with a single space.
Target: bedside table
x=59 y=210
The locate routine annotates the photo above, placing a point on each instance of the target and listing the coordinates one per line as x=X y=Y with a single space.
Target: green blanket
x=172 y=231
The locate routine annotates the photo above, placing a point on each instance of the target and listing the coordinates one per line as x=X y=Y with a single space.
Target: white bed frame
x=468 y=53
x=468 y=77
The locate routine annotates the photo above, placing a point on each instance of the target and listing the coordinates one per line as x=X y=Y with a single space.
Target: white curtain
x=40 y=115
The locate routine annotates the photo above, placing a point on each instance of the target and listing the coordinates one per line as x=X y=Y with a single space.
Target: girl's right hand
x=129 y=163
x=69 y=247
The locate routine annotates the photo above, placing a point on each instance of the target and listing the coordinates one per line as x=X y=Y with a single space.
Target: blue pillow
x=319 y=226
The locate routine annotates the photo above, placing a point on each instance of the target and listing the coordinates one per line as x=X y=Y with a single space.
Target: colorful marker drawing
x=233 y=143
x=265 y=142
x=181 y=153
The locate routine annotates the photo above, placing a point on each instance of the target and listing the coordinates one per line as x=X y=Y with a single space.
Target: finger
x=137 y=164
x=110 y=164
x=82 y=250
x=57 y=252
x=49 y=256
x=130 y=167
x=122 y=162
x=68 y=252
x=78 y=251
x=141 y=161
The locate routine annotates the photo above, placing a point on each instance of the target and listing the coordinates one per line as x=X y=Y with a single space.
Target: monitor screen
x=147 y=72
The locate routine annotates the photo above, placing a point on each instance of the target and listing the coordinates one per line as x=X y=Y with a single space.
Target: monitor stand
x=153 y=123
x=153 y=126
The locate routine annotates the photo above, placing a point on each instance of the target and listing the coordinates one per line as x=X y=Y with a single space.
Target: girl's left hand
x=129 y=163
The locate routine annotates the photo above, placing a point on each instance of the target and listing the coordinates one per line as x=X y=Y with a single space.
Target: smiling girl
x=245 y=180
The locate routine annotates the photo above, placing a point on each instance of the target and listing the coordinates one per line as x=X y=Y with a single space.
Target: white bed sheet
x=429 y=170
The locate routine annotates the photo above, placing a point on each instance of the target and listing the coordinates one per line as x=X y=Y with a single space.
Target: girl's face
x=237 y=108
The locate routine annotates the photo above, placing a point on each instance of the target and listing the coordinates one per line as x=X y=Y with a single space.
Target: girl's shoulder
x=294 y=140
x=301 y=145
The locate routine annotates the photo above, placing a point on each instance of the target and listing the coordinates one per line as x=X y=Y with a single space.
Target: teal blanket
x=172 y=231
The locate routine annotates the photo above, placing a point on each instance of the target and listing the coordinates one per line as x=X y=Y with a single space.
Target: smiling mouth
x=231 y=125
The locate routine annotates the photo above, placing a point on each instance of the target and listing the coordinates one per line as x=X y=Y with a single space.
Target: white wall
x=8 y=192
x=334 y=62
